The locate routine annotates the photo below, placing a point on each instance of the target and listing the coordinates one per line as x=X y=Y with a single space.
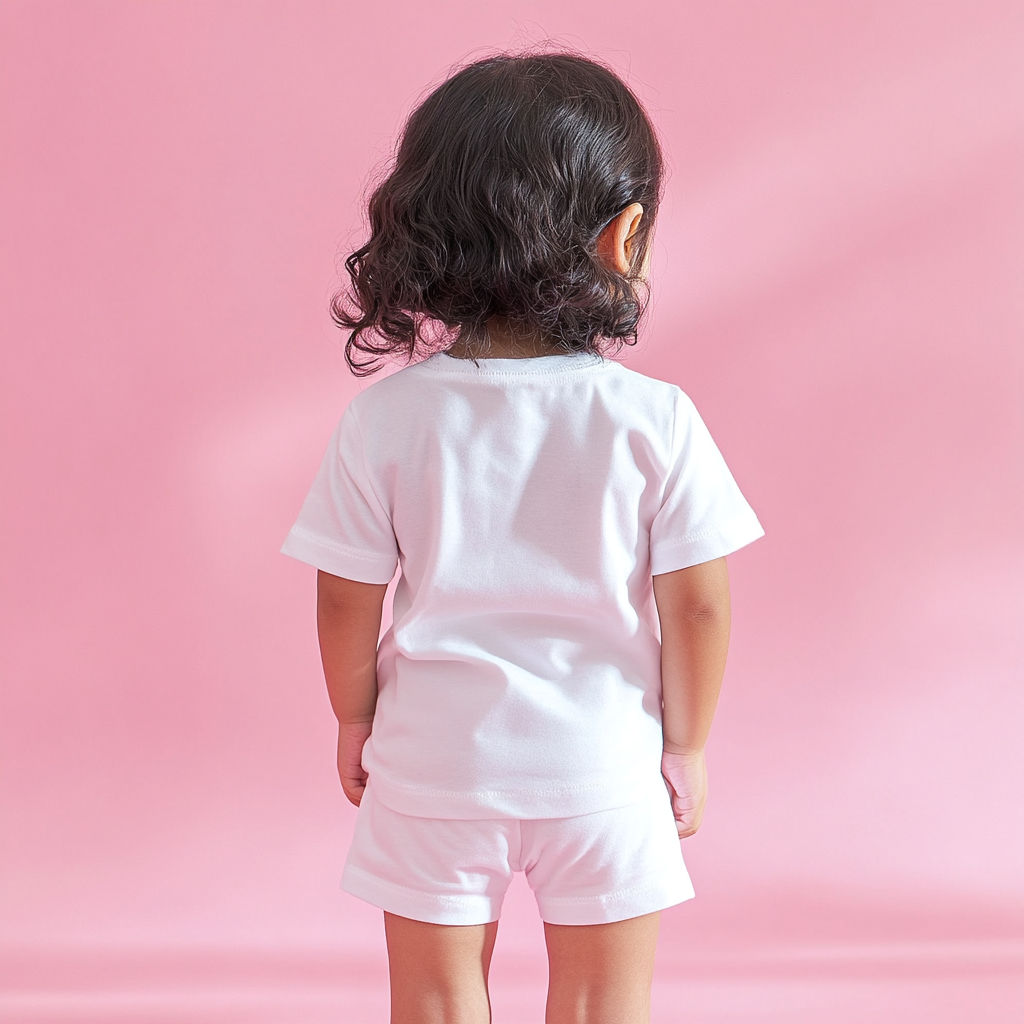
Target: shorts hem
x=646 y=898
x=431 y=908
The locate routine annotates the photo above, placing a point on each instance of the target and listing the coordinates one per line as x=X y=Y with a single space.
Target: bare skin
x=598 y=974
x=348 y=618
x=694 y=609
x=601 y=973
x=439 y=972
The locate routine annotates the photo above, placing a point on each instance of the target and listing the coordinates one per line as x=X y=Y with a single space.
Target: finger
x=351 y=774
x=687 y=824
x=354 y=791
x=684 y=811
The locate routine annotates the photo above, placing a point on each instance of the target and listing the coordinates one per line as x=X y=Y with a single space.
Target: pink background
x=838 y=284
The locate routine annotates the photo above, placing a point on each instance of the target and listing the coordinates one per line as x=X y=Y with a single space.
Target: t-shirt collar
x=530 y=366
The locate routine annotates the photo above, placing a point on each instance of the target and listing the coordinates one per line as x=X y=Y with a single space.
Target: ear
x=615 y=243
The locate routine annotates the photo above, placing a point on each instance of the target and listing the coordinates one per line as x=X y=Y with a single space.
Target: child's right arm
x=694 y=610
x=348 y=624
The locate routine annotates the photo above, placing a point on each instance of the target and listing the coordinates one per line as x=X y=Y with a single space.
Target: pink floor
x=792 y=960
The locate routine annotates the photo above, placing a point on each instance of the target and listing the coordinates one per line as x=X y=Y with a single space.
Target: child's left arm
x=348 y=623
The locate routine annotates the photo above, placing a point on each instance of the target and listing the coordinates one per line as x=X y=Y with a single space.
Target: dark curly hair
x=503 y=179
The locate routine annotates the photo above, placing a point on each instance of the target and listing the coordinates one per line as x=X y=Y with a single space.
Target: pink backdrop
x=838 y=285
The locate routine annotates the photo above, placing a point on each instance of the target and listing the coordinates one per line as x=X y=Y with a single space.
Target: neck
x=502 y=341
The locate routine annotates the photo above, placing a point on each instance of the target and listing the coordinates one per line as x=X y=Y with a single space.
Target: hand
x=351 y=737
x=687 y=776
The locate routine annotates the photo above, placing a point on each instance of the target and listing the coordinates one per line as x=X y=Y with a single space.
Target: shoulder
x=630 y=379
x=656 y=398
x=386 y=395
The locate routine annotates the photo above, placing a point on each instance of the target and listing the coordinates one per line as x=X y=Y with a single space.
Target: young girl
x=561 y=619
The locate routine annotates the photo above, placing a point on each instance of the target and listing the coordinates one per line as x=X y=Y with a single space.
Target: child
x=540 y=703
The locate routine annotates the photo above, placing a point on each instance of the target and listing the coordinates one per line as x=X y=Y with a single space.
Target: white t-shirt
x=528 y=502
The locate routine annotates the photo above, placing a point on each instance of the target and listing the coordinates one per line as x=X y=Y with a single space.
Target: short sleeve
x=703 y=514
x=344 y=528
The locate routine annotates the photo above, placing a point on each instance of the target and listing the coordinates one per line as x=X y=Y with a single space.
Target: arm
x=348 y=624
x=693 y=606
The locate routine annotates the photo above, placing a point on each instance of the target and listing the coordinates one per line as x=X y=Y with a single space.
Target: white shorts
x=590 y=869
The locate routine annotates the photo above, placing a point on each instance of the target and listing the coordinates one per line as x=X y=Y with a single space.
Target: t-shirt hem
x=335 y=558
x=674 y=554
x=553 y=802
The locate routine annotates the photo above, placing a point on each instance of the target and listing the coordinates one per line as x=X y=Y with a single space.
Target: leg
x=439 y=971
x=601 y=973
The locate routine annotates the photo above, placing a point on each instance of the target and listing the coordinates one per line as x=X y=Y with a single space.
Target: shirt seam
x=366 y=471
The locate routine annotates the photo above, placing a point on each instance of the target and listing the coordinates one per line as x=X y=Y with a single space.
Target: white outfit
x=589 y=869
x=528 y=502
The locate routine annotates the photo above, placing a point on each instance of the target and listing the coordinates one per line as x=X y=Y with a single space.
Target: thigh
x=601 y=973
x=439 y=972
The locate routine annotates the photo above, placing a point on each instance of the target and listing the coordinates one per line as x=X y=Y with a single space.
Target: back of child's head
x=504 y=177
